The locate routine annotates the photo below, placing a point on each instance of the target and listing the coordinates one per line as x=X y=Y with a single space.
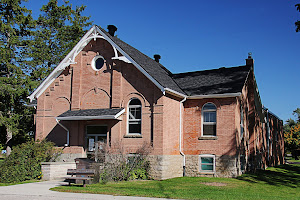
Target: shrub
x=121 y=166
x=24 y=162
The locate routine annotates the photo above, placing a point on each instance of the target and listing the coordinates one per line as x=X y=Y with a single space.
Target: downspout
x=180 y=135
x=68 y=133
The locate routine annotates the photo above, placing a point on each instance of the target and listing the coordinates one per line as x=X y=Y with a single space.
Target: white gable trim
x=93 y=33
x=131 y=60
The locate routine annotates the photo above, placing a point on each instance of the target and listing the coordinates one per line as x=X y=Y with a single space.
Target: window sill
x=208 y=138
x=202 y=172
x=133 y=136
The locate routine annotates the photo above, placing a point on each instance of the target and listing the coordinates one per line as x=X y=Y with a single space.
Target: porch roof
x=92 y=114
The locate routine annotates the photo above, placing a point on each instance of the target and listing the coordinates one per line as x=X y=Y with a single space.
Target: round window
x=97 y=62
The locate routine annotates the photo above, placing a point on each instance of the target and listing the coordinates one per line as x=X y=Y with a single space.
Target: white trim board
x=70 y=59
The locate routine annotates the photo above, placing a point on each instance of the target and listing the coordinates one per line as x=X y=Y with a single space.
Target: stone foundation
x=56 y=170
x=165 y=166
x=225 y=166
x=69 y=157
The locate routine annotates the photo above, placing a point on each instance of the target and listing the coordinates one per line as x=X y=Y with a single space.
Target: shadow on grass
x=163 y=190
x=283 y=175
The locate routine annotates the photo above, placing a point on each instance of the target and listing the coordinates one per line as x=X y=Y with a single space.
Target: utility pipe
x=68 y=132
x=180 y=135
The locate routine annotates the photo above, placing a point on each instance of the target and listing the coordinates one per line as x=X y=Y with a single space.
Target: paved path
x=40 y=191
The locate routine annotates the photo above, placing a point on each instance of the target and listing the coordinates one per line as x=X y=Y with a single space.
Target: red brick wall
x=111 y=87
x=225 y=144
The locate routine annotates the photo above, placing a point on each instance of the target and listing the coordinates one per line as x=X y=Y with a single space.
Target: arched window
x=134 y=116
x=209 y=120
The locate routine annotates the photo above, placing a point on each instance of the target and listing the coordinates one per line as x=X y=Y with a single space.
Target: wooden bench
x=80 y=174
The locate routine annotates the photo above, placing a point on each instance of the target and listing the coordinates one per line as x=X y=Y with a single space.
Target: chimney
x=112 y=29
x=156 y=57
x=249 y=60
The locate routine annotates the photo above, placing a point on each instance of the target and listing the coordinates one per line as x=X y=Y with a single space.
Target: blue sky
x=194 y=35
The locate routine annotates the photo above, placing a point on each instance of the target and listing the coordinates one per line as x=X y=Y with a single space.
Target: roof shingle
x=92 y=113
x=153 y=68
x=216 y=81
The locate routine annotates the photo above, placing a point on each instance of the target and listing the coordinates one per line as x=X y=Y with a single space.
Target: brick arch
x=60 y=105
x=95 y=98
x=205 y=101
x=139 y=96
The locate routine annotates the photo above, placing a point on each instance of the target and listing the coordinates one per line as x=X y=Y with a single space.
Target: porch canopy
x=92 y=114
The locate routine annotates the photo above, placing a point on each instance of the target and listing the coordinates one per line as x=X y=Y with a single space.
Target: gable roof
x=216 y=81
x=219 y=81
x=153 y=68
x=150 y=68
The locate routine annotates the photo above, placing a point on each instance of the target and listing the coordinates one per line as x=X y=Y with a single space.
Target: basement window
x=207 y=163
x=98 y=62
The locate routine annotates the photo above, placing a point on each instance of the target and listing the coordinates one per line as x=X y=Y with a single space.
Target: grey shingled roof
x=216 y=81
x=91 y=112
x=153 y=68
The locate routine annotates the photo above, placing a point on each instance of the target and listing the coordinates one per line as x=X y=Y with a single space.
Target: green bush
x=24 y=162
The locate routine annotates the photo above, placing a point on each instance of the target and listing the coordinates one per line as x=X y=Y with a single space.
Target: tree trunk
x=8 y=141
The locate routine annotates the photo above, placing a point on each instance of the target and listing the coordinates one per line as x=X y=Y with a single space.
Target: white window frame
x=93 y=64
x=133 y=120
x=208 y=123
x=207 y=156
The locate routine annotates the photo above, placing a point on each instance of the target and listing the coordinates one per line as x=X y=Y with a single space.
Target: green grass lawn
x=291 y=159
x=282 y=182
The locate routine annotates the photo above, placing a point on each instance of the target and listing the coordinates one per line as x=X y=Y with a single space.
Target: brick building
x=198 y=123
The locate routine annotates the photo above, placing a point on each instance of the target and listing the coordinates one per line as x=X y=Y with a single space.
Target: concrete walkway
x=40 y=190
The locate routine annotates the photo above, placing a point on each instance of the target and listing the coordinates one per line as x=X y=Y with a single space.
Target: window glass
x=207 y=163
x=209 y=106
x=135 y=102
x=95 y=134
x=209 y=130
x=209 y=115
x=207 y=160
x=207 y=167
x=99 y=63
x=135 y=127
x=134 y=116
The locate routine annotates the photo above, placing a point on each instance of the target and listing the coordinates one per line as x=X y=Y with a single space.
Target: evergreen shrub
x=24 y=162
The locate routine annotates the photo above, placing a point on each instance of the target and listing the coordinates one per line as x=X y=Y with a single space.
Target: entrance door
x=95 y=134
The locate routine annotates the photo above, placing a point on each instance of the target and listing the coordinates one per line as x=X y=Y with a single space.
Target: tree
x=15 y=27
x=297 y=23
x=296 y=113
x=58 y=29
x=292 y=133
x=29 y=51
x=292 y=139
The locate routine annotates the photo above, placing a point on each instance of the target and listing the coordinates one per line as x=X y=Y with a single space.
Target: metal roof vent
x=112 y=29
x=156 y=57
